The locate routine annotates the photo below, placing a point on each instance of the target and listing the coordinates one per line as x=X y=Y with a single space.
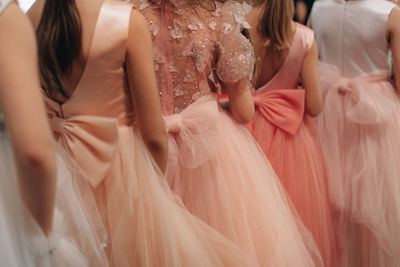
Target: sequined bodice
x=195 y=46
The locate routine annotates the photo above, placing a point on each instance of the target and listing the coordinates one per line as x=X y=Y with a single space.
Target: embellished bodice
x=196 y=46
x=351 y=35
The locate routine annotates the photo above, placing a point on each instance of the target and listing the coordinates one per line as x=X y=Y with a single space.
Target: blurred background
x=302 y=10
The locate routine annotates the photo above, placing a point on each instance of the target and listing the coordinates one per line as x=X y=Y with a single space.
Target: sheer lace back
x=195 y=46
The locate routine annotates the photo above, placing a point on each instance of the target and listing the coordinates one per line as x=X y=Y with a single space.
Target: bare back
x=269 y=60
x=89 y=10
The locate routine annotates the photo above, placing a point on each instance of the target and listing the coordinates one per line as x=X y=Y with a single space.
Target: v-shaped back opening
x=89 y=56
x=285 y=62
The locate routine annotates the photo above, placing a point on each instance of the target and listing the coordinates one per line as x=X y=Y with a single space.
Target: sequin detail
x=199 y=45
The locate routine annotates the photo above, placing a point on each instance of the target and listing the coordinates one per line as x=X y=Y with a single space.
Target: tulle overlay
x=148 y=225
x=360 y=129
x=74 y=241
x=290 y=140
x=224 y=179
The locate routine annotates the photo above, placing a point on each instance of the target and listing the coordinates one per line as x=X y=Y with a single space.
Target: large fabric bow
x=283 y=108
x=367 y=99
x=91 y=141
x=193 y=130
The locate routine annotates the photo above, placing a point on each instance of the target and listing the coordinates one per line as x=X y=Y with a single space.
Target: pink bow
x=91 y=141
x=193 y=130
x=368 y=99
x=283 y=108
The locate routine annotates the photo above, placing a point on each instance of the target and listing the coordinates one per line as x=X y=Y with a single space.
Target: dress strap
x=112 y=30
x=306 y=38
x=109 y=41
x=300 y=47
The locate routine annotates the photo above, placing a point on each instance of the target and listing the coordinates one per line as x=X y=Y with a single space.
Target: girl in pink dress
x=102 y=101
x=282 y=124
x=215 y=166
x=360 y=124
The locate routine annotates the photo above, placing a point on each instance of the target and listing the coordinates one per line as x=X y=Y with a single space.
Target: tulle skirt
x=223 y=178
x=147 y=224
x=298 y=161
x=360 y=129
x=74 y=240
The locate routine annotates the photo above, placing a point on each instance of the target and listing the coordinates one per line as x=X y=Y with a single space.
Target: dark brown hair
x=276 y=22
x=59 y=37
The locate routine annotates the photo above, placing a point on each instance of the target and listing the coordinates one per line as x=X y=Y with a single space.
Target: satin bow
x=283 y=108
x=91 y=141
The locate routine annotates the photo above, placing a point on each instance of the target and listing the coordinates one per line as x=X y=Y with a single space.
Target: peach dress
x=290 y=140
x=360 y=127
x=215 y=165
x=147 y=225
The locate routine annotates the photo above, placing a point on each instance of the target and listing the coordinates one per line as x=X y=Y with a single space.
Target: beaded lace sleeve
x=236 y=54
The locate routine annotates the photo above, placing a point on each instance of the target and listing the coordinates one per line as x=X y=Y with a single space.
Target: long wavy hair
x=59 y=37
x=276 y=22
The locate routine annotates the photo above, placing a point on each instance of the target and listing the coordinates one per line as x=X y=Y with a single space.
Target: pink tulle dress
x=290 y=140
x=360 y=127
x=146 y=224
x=215 y=165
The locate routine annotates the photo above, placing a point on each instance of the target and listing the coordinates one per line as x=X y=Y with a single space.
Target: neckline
x=284 y=62
x=89 y=57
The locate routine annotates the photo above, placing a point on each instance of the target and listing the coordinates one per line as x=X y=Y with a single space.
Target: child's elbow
x=245 y=116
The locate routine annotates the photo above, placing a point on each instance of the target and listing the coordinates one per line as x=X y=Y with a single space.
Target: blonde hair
x=275 y=25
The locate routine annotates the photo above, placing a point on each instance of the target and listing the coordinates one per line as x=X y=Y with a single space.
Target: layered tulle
x=290 y=141
x=148 y=225
x=360 y=129
x=74 y=240
x=224 y=179
x=84 y=231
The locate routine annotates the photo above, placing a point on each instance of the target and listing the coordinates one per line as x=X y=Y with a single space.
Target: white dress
x=360 y=127
x=77 y=240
